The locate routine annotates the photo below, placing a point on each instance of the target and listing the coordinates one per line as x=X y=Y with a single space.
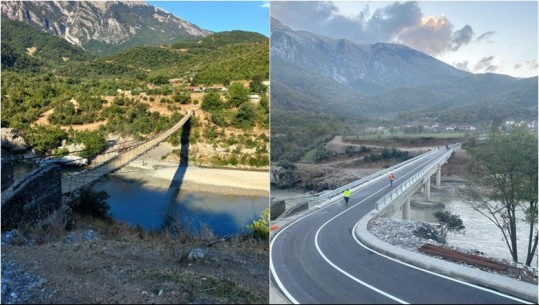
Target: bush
x=94 y=142
x=260 y=228
x=92 y=203
x=448 y=223
x=44 y=138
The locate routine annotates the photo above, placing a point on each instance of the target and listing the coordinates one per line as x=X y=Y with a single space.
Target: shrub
x=260 y=228
x=92 y=203
x=448 y=223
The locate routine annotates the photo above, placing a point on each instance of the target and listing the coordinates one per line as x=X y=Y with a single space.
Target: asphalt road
x=317 y=260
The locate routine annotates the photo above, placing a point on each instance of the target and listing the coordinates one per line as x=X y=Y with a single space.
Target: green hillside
x=21 y=42
x=218 y=58
x=84 y=89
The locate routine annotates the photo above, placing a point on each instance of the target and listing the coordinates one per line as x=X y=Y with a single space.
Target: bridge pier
x=406 y=209
x=427 y=188
x=439 y=176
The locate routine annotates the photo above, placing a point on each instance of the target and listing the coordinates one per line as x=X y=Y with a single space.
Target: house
x=120 y=91
x=195 y=89
x=218 y=88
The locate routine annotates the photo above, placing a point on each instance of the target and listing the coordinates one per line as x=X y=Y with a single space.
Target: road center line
x=272 y=267
x=344 y=272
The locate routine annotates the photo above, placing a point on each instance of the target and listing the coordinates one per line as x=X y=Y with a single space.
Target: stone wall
x=32 y=198
x=277 y=209
x=7 y=174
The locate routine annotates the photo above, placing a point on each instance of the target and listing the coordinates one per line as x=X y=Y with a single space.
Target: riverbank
x=159 y=174
x=158 y=166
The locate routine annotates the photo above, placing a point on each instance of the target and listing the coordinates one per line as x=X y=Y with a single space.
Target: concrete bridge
x=71 y=184
x=398 y=198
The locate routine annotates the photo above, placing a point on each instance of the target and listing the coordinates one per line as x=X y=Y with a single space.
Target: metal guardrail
x=410 y=185
x=338 y=192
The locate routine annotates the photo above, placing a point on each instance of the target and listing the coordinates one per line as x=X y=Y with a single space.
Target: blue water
x=135 y=204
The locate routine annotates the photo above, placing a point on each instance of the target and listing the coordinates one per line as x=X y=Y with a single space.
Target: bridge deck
x=73 y=183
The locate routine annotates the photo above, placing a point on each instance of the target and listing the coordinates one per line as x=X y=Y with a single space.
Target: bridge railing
x=411 y=184
x=338 y=192
x=72 y=183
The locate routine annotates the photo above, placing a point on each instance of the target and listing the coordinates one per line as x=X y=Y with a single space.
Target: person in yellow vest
x=346 y=195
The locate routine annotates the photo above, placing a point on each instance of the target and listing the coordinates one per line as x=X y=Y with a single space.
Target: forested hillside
x=50 y=87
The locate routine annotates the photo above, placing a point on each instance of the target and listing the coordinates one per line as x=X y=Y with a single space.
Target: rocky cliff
x=103 y=27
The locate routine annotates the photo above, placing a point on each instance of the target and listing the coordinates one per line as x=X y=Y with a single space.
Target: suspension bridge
x=72 y=183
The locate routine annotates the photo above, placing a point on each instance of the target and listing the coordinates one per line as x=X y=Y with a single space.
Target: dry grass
x=127 y=264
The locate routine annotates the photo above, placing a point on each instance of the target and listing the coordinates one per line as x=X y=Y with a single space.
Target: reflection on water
x=137 y=205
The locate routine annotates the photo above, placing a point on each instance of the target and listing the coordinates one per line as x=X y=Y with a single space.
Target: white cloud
x=485 y=65
x=397 y=22
x=527 y=65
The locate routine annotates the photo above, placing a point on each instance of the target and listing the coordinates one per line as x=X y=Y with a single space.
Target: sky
x=219 y=16
x=476 y=36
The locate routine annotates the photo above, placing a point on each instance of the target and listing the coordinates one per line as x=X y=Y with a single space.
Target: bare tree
x=504 y=175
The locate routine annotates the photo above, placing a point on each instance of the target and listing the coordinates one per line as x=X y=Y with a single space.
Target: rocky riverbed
x=411 y=235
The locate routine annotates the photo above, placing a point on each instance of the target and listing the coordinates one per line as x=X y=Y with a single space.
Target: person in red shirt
x=391 y=178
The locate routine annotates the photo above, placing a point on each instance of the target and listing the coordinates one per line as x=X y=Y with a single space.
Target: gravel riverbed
x=411 y=235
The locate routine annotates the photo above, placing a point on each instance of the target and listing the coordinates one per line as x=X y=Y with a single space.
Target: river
x=136 y=204
x=480 y=233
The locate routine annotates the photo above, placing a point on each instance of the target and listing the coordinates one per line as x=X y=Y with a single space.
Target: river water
x=480 y=233
x=136 y=204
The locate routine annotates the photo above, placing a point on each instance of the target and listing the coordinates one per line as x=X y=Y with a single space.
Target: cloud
x=463 y=65
x=485 y=65
x=305 y=15
x=398 y=22
x=527 y=65
x=266 y=4
x=432 y=35
x=461 y=37
x=485 y=36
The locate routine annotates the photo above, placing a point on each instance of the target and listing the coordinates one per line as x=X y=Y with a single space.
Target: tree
x=211 y=102
x=94 y=142
x=44 y=138
x=238 y=94
x=505 y=169
x=256 y=84
x=93 y=203
x=448 y=223
x=245 y=116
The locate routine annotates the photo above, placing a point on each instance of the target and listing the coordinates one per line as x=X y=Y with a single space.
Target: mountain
x=313 y=73
x=103 y=27
x=367 y=68
x=217 y=58
x=26 y=48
